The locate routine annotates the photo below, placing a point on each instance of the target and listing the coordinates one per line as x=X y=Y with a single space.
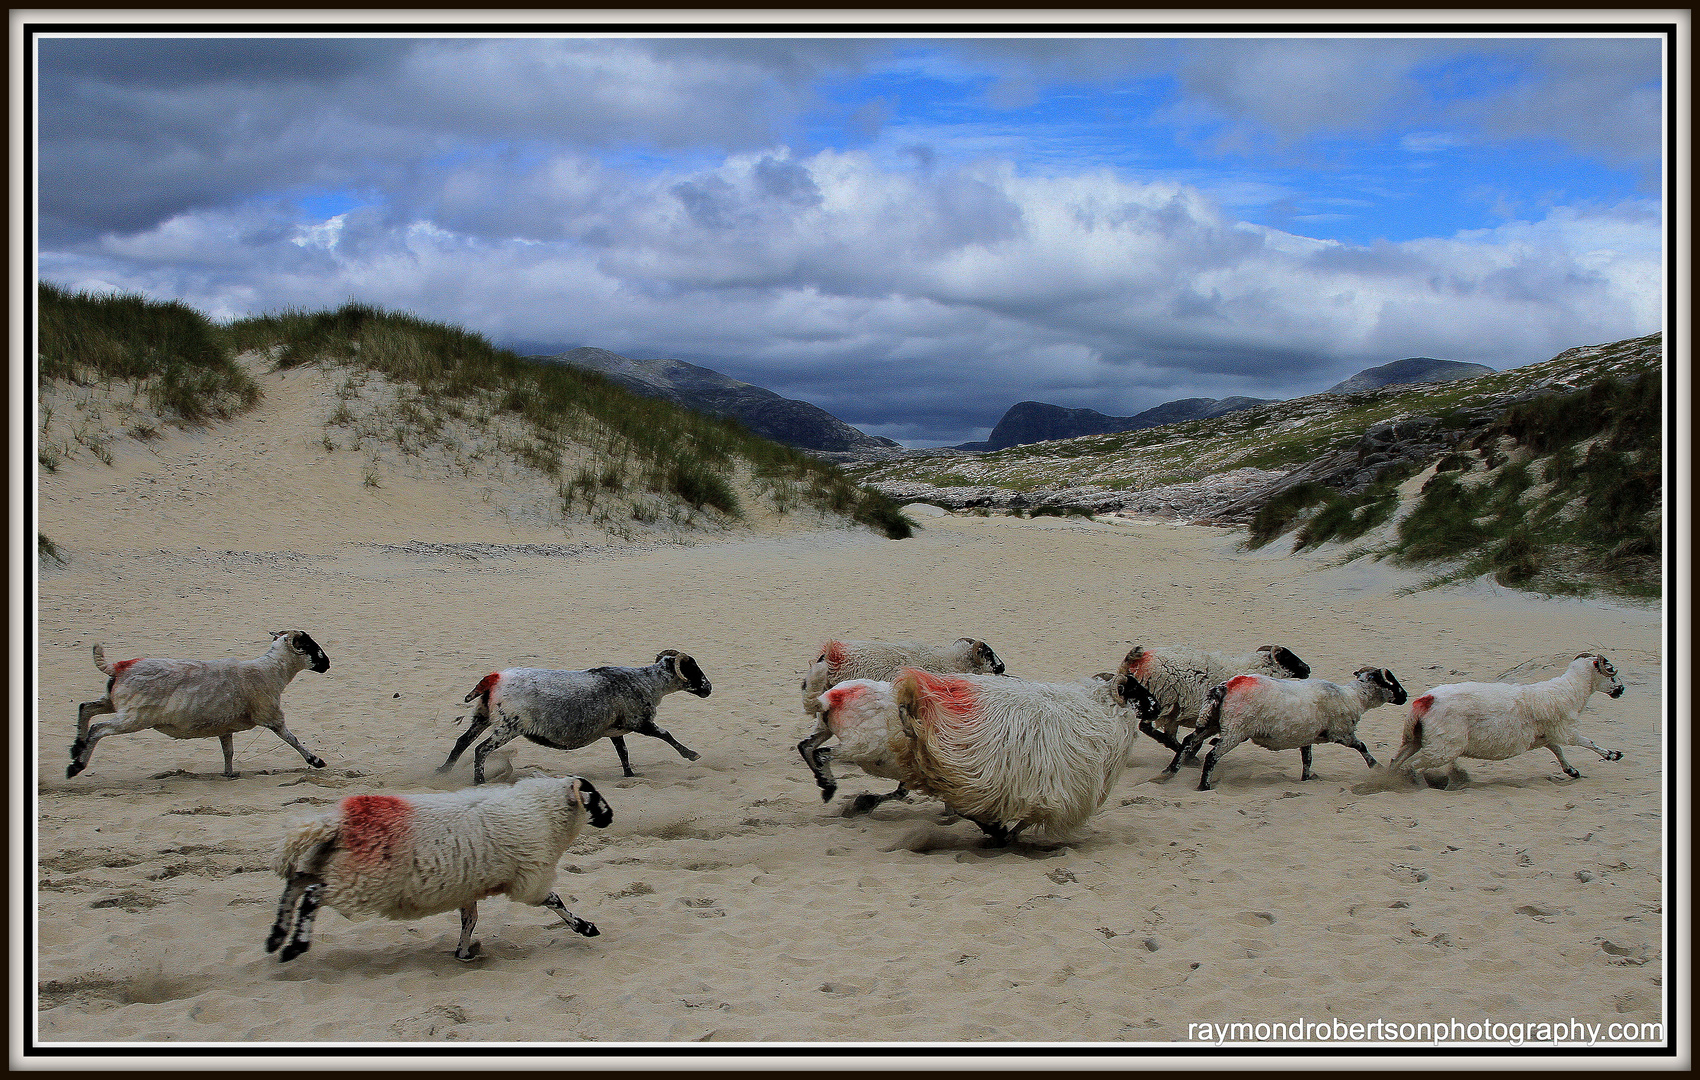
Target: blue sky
x=912 y=233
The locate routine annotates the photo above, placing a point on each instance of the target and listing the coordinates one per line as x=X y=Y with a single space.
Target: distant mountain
x=1413 y=369
x=794 y=423
x=1035 y=421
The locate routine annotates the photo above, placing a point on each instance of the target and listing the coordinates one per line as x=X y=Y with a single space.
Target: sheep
x=1501 y=720
x=570 y=709
x=1008 y=754
x=862 y=714
x=1287 y=714
x=1179 y=676
x=198 y=699
x=405 y=857
x=841 y=661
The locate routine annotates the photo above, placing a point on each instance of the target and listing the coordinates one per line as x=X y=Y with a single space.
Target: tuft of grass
x=45 y=548
x=1278 y=514
x=176 y=356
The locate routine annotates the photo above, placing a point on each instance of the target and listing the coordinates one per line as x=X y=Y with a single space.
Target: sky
x=913 y=233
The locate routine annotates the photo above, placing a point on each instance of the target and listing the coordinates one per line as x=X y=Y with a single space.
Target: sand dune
x=733 y=905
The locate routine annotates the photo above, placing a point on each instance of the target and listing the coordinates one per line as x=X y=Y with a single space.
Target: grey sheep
x=570 y=709
x=198 y=699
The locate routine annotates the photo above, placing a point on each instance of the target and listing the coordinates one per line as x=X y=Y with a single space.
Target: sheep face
x=585 y=794
x=1288 y=660
x=301 y=643
x=1382 y=678
x=1128 y=690
x=983 y=658
x=1604 y=674
x=686 y=671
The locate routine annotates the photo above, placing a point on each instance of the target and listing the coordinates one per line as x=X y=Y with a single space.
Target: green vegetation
x=634 y=441
x=176 y=355
x=45 y=548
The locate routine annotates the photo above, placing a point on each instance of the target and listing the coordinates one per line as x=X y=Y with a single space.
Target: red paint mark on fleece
x=833 y=653
x=840 y=696
x=951 y=694
x=1137 y=668
x=485 y=685
x=1421 y=706
x=122 y=666
x=1241 y=683
x=374 y=826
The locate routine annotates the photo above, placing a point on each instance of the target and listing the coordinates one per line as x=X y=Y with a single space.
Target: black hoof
x=317 y=763
x=589 y=930
x=691 y=755
x=1615 y=755
x=292 y=950
x=73 y=769
x=863 y=804
x=274 y=939
x=470 y=954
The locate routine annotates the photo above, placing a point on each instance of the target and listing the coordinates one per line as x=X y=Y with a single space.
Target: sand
x=734 y=906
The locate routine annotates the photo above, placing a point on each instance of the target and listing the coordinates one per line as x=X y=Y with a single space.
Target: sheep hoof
x=691 y=755
x=586 y=928
x=317 y=763
x=862 y=804
x=1614 y=755
x=827 y=792
x=231 y=775
x=72 y=770
x=469 y=954
x=292 y=950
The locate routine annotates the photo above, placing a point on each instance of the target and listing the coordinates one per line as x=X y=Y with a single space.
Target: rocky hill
x=1334 y=457
x=1412 y=369
x=1035 y=421
x=784 y=420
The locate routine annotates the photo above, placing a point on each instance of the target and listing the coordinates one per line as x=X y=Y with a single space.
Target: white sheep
x=1179 y=676
x=842 y=661
x=862 y=714
x=1287 y=714
x=1009 y=754
x=405 y=857
x=570 y=709
x=1495 y=721
x=198 y=699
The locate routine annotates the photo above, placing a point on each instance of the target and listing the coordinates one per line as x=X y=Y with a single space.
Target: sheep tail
x=100 y=661
x=1211 y=714
x=485 y=685
x=295 y=856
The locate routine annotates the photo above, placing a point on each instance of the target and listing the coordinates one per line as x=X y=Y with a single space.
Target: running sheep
x=1179 y=676
x=862 y=714
x=406 y=857
x=199 y=699
x=842 y=661
x=1009 y=754
x=1495 y=721
x=570 y=709
x=1287 y=714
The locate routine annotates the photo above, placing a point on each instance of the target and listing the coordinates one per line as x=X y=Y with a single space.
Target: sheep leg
x=1223 y=745
x=1167 y=738
x=1304 y=755
x=480 y=721
x=1357 y=744
x=648 y=727
x=1188 y=750
x=92 y=708
x=995 y=831
x=619 y=742
x=574 y=923
x=227 y=743
x=288 y=736
x=293 y=899
x=1607 y=755
x=503 y=734
x=819 y=761
x=302 y=938
x=867 y=801
x=467 y=949
x=83 y=748
x=1565 y=765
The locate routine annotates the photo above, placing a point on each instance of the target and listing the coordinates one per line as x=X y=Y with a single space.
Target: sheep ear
x=278 y=633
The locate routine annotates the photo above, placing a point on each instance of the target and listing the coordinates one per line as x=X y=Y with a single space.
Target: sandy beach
x=734 y=906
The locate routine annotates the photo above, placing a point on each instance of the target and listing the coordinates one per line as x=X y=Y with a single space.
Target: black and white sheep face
x=300 y=642
x=1605 y=675
x=685 y=669
x=1130 y=691
x=586 y=795
x=984 y=658
x=1384 y=678
x=1288 y=660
